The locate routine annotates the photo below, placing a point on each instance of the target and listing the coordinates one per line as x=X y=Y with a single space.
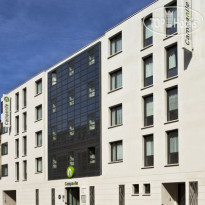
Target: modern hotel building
x=127 y=112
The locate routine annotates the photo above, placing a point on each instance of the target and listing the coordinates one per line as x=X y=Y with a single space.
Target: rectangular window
x=52 y=196
x=17 y=147
x=116 y=79
x=121 y=194
x=148 y=111
x=91 y=57
x=71 y=128
x=1 y=107
x=17 y=171
x=4 y=149
x=148 y=151
x=193 y=193
x=116 y=115
x=3 y=129
x=71 y=161
x=91 y=122
x=92 y=195
x=172 y=61
x=37 y=196
x=116 y=151
x=17 y=124
x=39 y=138
x=54 y=106
x=71 y=98
x=53 y=78
x=54 y=162
x=39 y=87
x=148 y=34
x=24 y=146
x=17 y=101
x=172 y=104
x=147 y=189
x=24 y=97
x=173 y=154
x=39 y=167
x=91 y=89
x=136 y=189
x=39 y=112
x=53 y=133
x=148 y=71
x=24 y=121
x=91 y=155
x=71 y=69
x=25 y=170
x=116 y=44
x=171 y=19
x=4 y=170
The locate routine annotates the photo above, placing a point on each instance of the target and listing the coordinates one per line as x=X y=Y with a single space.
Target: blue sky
x=36 y=34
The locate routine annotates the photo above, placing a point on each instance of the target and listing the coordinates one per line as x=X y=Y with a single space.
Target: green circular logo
x=6 y=99
x=70 y=171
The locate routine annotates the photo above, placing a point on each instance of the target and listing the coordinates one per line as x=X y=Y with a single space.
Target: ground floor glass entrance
x=73 y=196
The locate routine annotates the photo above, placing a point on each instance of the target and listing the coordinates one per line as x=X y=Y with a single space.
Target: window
x=121 y=194
x=116 y=44
x=39 y=167
x=52 y=196
x=54 y=106
x=17 y=124
x=53 y=78
x=17 y=101
x=53 y=133
x=116 y=151
x=71 y=128
x=172 y=61
x=39 y=138
x=91 y=89
x=71 y=69
x=3 y=129
x=91 y=122
x=148 y=71
x=25 y=170
x=193 y=193
x=54 y=162
x=24 y=97
x=4 y=149
x=17 y=171
x=92 y=195
x=2 y=107
x=24 y=146
x=91 y=57
x=116 y=79
x=38 y=86
x=39 y=112
x=24 y=121
x=17 y=147
x=71 y=98
x=116 y=115
x=148 y=151
x=171 y=19
x=37 y=196
x=172 y=104
x=135 y=189
x=147 y=189
x=148 y=111
x=71 y=159
x=148 y=35
x=172 y=137
x=4 y=169
x=91 y=155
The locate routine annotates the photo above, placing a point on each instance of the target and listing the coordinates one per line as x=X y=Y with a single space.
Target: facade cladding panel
x=85 y=69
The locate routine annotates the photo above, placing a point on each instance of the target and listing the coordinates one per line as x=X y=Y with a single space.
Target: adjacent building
x=126 y=111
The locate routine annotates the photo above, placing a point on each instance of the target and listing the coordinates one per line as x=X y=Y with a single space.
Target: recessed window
x=171 y=19
x=3 y=129
x=54 y=162
x=24 y=121
x=116 y=151
x=17 y=101
x=148 y=151
x=17 y=124
x=116 y=79
x=172 y=141
x=91 y=155
x=39 y=167
x=39 y=138
x=148 y=71
x=148 y=34
x=38 y=86
x=71 y=159
x=71 y=98
x=91 y=122
x=116 y=44
x=116 y=115
x=172 y=61
x=91 y=89
x=135 y=189
x=4 y=149
x=172 y=104
x=53 y=78
x=71 y=128
x=24 y=146
x=4 y=169
x=53 y=134
x=24 y=97
x=16 y=148
x=17 y=170
x=147 y=189
x=54 y=106
x=91 y=57
x=25 y=170
x=39 y=112
x=71 y=69
x=148 y=111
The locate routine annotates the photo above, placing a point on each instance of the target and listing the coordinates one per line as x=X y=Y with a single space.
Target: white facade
x=131 y=131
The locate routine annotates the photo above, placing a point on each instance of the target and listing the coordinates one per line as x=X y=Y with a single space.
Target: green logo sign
x=70 y=172
x=6 y=99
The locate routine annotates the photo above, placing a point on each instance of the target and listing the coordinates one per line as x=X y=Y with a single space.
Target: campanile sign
x=6 y=111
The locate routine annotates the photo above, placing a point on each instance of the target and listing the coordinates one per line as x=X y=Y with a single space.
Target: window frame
x=71 y=94
x=91 y=85
x=37 y=138
x=116 y=143
x=169 y=118
x=53 y=78
x=54 y=165
x=116 y=121
x=134 y=189
x=37 y=114
x=37 y=165
x=24 y=121
x=145 y=186
x=150 y=158
x=3 y=173
x=71 y=163
x=150 y=39
x=71 y=132
x=17 y=148
x=115 y=38
x=24 y=170
x=24 y=146
x=17 y=101
x=112 y=75
x=37 y=83
x=17 y=171
x=151 y=117
x=24 y=97
x=146 y=79
x=3 y=145
x=92 y=126
x=90 y=160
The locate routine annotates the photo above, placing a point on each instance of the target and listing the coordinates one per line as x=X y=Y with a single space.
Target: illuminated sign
x=6 y=111
x=70 y=171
